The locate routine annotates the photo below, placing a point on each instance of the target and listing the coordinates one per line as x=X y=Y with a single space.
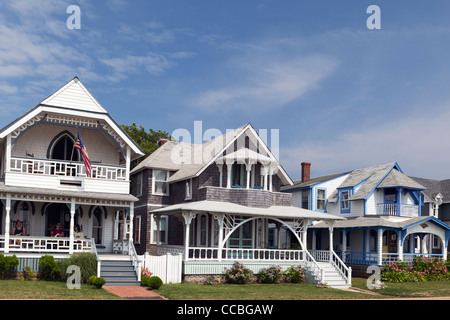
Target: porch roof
x=207 y=206
x=381 y=221
x=66 y=193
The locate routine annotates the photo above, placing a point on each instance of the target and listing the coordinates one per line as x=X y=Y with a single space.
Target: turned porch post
x=220 y=241
x=330 y=228
x=7 y=221
x=131 y=221
x=72 y=217
x=380 y=246
x=188 y=216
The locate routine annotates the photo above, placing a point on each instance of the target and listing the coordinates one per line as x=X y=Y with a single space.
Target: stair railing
x=99 y=262
x=137 y=262
x=312 y=264
x=339 y=265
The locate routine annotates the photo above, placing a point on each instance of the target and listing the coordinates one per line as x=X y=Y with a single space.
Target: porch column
x=187 y=222
x=220 y=240
x=344 y=244
x=72 y=217
x=116 y=226
x=131 y=221
x=330 y=228
x=220 y=167
x=248 y=167
x=158 y=228
x=229 y=167
x=380 y=246
x=265 y=171
x=7 y=221
x=399 y=246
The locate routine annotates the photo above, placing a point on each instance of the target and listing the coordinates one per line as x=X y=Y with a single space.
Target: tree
x=148 y=141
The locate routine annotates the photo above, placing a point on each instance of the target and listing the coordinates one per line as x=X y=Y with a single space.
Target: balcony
x=397 y=209
x=60 y=174
x=62 y=168
x=246 y=197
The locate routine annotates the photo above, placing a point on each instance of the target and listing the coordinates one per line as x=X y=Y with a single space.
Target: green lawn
x=30 y=290
x=50 y=290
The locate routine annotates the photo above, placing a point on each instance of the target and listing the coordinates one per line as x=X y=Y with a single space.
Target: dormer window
x=160 y=184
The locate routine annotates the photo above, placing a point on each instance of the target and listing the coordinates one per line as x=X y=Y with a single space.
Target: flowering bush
x=423 y=269
x=145 y=272
x=238 y=274
x=270 y=275
x=296 y=274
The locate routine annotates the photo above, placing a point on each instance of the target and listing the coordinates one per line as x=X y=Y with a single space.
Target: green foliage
x=271 y=274
x=86 y=261
x=27 y=273
x=95 y=281
x=6 y=263
x=423 y=269
x=238 y=274
x=153 y=282
x=295 y=274
x=49 y=269
x=147 y=140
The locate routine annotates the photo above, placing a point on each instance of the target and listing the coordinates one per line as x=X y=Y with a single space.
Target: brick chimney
x=306 y=171
x=162 y=142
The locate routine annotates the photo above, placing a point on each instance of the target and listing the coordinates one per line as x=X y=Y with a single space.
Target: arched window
x=97 y=226
x=62 y=148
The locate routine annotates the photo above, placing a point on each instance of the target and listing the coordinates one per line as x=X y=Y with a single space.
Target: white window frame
x=188 y=190
x=165 y=181
x=324 y=199
x=345 y=203
x=154 y=232
x=139 y=184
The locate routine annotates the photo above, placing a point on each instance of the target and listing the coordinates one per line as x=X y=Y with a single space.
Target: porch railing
x=371 y=258
x=397 y=209
x=45 y=244
x=62 y=168
x=207 y=253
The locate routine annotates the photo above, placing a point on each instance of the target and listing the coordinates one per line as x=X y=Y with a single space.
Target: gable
x=74 y=95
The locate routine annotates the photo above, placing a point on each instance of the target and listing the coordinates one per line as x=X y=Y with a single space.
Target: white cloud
x=264 y=77
x=419 y=143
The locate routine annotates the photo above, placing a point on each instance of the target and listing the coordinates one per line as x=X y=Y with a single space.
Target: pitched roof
x=299 y=184
x=434 y=187
x=74 y=95
x=381 y=221
x=73 y=99
x=398 y=179
x=189 y=160
x=233 y=208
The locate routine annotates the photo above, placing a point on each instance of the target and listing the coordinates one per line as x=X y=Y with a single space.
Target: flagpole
x=73 y=148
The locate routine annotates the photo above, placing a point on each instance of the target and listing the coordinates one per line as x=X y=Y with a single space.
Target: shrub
x=87 y=262
x=6 y=263
x=270 y=275
x=238 y=274
x=423 y=269
x=99 y=282
x=27 y=273
x=49 y=269
x=91 y=280
x=154 y=282
x=295 y=274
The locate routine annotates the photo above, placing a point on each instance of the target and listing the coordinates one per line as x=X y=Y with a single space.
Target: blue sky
x=342 y=96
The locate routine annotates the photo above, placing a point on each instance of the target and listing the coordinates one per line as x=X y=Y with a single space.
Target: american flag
x=87 y=163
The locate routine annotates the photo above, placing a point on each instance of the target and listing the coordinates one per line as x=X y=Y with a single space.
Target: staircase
x=332 y=277
x=118 y=272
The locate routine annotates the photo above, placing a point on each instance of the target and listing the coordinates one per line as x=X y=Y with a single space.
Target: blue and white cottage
x=383 y=210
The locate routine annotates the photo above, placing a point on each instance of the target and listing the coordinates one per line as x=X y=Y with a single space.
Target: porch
x=222 y=233
x=381 y=240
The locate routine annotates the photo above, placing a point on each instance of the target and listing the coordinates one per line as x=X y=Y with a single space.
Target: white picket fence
x=168 y=266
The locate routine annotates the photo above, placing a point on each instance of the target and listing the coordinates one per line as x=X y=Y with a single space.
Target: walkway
x=133 y=292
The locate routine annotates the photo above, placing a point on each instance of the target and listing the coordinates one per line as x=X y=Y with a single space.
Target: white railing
x=62 y=168
x=396 y=209
x=207 y=253
x=345 y=272
x=45 y=244
x=135 y=259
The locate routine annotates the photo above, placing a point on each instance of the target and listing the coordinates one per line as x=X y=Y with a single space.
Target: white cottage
x=43 y=180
